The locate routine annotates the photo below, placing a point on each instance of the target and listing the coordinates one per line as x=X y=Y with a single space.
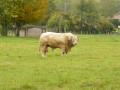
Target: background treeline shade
x=47 y=13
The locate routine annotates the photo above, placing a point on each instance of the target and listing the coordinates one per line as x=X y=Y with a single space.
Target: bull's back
x=56 y=40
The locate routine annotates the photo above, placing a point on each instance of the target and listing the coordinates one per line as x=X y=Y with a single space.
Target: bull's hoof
x=44 y=55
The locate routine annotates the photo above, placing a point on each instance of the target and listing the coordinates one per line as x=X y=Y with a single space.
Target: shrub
x=105 y=26
x=115 y=22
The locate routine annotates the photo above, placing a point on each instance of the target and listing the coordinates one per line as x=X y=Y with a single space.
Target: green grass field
x=94 y=64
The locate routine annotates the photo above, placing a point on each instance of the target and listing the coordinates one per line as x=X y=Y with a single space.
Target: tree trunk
x=74 y=31
x=57 y=30
x=25 y=32
x=4 y=30
x=99 y=32
x=18 y=29
x=2 y=33
x=60 y=23
x=90 y=32
x=81 y=32
x=45 y=30
x=64 y=29
x=106 y=32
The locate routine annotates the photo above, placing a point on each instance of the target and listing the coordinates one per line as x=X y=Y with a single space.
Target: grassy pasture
x=94 y=64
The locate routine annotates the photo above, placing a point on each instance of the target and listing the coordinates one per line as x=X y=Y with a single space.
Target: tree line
x=79 y=16
x=20 y=12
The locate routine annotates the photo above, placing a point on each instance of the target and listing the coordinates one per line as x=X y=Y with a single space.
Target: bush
x=105 y=27
x=115 y=22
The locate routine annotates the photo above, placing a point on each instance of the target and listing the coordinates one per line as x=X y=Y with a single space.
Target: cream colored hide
x=64 y=41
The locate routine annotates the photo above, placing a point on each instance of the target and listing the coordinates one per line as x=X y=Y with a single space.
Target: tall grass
x=93 y=64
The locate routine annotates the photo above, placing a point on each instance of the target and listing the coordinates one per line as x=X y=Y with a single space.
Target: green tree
x=5 y=15
x=51 y=9
x=109 y=7
x=90 y=10
x=54 y=20
x=29 y=12
x=104 y=26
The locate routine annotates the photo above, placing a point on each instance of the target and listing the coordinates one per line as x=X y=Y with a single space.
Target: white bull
x=64 y=41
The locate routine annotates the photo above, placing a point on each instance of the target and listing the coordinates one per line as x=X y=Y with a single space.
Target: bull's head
x=73 y=40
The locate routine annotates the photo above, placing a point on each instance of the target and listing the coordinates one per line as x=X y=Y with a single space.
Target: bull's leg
x=63 y=51
x=53 y=49
x=43 y=54
x=44 y=51
x=66 y=53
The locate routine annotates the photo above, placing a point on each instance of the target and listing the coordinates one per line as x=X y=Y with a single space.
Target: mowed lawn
x=93 y=64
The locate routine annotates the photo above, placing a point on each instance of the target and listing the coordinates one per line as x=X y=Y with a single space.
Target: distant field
x=94 y=64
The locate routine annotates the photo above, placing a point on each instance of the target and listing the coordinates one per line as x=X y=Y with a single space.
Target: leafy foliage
x=115 y=22
x=22 y=12
x=104 y=26
x=109 y=7
x=30 y=11
x=5 y=15
x=53 y=22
